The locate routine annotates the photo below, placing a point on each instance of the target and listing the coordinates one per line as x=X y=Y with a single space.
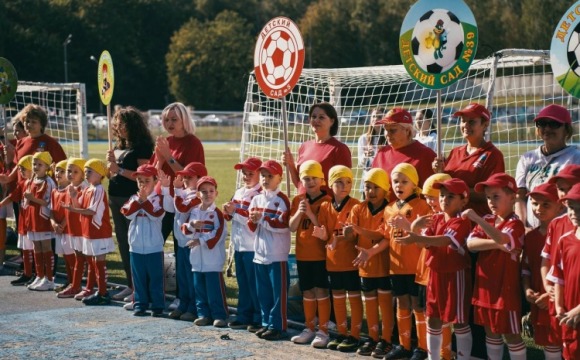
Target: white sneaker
x=305 y=337
x=320 y=340
x=331 y=326
x=174 y=305
x=130 y=306
x=121 y=295
x=128 y=298
x=44 y=285
x=35 y=283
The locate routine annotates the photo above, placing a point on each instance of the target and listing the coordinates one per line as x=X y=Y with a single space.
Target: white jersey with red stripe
x=181 y=204
x=145 y=235
x=242 y=237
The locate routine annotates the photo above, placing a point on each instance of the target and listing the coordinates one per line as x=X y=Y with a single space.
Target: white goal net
x=514 y=84
x=66 y=108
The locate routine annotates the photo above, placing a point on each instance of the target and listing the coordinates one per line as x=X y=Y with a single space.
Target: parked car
x=212 y=119
x=354 y=117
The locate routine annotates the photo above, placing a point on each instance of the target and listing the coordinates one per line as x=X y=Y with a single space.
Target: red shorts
x=449 y=296
x=571 y=338
x=499 y=321
x=547 y=331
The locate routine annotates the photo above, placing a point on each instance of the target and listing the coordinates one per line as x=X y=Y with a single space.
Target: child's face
x=433 y=203
x=207 y=193
x=374 y=193
x=402 y=186
x=573 y=211
x=341 y=187
x=311 y=184
x=563 y=187
x=24 y=172
x=146 y=183
x=544 y=209
x=250 y=177
x=451 y=203
x=500 y=201
x=74 y=174
x=60 y=176
x=92 y=176
x=39 y=167
x=190 y=182
x=268 y=180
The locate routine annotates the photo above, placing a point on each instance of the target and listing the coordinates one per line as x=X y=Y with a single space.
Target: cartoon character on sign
x=437 y=40
x=4 y=83
x=106 y=83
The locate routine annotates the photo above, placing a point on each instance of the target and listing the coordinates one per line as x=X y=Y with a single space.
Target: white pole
x=285 y=128
x=439 y=116
x=110 y=128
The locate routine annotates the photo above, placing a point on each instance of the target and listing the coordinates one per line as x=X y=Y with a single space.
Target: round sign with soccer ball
x=278 y=57
x=8 y=81
x=565 y=51
x=438 y=44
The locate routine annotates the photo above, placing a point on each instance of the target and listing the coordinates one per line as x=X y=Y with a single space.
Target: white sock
x=494 y=348
x=464 y=342
x=517 y=351
x=434 y=339
x=553 y=353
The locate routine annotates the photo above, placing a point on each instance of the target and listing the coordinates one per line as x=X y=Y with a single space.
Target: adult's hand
x=162 y=148
x=438 y=165
x=288 y=158
x=112 y=162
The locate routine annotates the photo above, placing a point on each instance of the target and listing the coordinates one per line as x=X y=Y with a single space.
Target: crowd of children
x=414 y=250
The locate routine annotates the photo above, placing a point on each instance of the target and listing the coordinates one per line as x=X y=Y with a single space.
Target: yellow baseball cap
x=338 y=171
x=98 y=166
x=428 y=188
x=378 y=177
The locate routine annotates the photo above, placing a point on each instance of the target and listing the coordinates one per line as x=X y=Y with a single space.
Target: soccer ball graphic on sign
x=278 y=58
x=574 y=50
x=437 y=41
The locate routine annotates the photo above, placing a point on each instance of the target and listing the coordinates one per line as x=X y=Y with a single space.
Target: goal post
x=513 y=83
x=66 y=106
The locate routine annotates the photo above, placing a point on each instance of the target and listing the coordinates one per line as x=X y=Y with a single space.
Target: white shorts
x=25 y=243
x=41 y=235
x=78 y=243
x=98 y=247
x=6 y=211
x=63 y=244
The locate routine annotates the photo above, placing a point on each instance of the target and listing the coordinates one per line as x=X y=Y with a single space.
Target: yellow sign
x=106 y=78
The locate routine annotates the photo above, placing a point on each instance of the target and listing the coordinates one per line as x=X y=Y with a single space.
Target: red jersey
x=363 y=216
x=497 y=273
x=558 y=227
x=531 y=264
x=73 y=219
x=332 y=217
x=452 y=257
x=329 y=153
x=97 y=226
x=475 y=167
x=565 y=270
x=17 y=196
x=57 y=198
x=39 y=215
x=309 y=247
x=416 y=154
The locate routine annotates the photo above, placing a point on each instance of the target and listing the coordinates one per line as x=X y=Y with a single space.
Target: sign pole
x=439 y=120
x=285 y=130
x=109 y=127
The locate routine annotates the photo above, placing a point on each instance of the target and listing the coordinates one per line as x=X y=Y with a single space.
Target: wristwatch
x=171 y=160
x=120 y=171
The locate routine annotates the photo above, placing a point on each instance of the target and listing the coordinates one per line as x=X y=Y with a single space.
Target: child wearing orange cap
x=545 y=206
x=145 y=210
x=206 y=232
x=498 y=238
x=565 y=274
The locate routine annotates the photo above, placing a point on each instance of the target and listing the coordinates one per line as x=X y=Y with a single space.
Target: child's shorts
x=499 y=321
x=78 y=243
x=98 y=247
x=40 y=235
x=63 y=244
x=24 y=242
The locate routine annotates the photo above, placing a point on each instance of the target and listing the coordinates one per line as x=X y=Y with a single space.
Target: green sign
x=8 y=81
x=565 y=51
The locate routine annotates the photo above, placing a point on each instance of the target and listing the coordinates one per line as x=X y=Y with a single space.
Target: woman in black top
x=133 y=147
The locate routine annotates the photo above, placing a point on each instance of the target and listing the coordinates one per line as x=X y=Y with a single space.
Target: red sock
x=101 y=276
x=69 y=265
x=27 y=256
x=79 y=270
x=39 y=264
x=48 y=258
x=91 y=273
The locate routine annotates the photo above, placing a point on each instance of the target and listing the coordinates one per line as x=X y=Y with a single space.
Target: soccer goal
x=514 y=84
x=66 y=107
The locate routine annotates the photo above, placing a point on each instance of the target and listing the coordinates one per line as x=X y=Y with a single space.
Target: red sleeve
x=282 y=218
x=184 y=208
x=16 y=194
x=515 y=230
x=211 y=243
x=148 y=207
x=458 y=229
x=130 y=207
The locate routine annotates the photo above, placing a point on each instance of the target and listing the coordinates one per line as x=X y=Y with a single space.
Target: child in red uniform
x=445 y=236
x=92 y=205
x=63 y=245
x=37 y=194
x=342 y=274
x=73 y=230
x=311 y=255
x=565 y=273
x=498 y=238
x=544 y=202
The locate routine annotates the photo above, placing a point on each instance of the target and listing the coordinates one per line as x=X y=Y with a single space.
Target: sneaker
x=419 y=354
x=202 y=321
x=333 y=344
x=367 y=348
x=320 y=340
x=121 y=295
x=97 y=299
x=35 y=283
x=261 y=331
x=398 y=352
x=61 y=287
x=32 y=280
x=157 y=313
x=220 y=323
x=187 y=316
x=175 y=314
x=140 y=312
x=67 y=293
x=305 y=337
x=383 y=347
x=237 y=325
x=22 y=280
x=272 y=335
x=44 y=285
x=350 y=344
x=174 y=305
x=253 y=328
x=129 y=306
x=331 y=326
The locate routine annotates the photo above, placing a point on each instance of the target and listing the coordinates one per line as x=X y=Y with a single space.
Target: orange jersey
x=361 y=215
x=98 y=225
x=57 y=198
x=39 y=215
x=341 y=258
x=309 y=247
x=73 y=219
x=403 y=258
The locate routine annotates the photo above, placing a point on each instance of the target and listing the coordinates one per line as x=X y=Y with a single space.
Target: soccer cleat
x=320 y=340
x=175 y=314
x=157 y=313
x=305 y=337
x=237 y=325
x=130 y=306
x=32 y=280
x=67 y=293
x=419 y=354
x=22 y=280
x=174 y=305
x=253 y=328
x=398 y=352
x=140 y=312
x=272 y=335
x=383 y=347
x=97 y=299
x=187 y=316
x=202 y=321
x=350 y=344
x=333 y=344
x=220 y=323
x=61 y=287
x=128 y=298
x=83 y=294
x=367 y=348
x=261 y=331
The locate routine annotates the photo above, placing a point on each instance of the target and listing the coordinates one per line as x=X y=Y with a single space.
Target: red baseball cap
x=193 y=169
x=396 y=116
x=474 y=110
x=555 y=112
x=204 y=180
x=272 y=166
x=547 y=190
x=570 y=173
x=573 y=194
x=498 y=180
x=251 y=164
x=456 y=186
x=145 y=170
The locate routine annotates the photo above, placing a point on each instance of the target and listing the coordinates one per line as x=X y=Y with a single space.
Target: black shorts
x=344 y=280
x=422 y=297
x=372 y=284
x=312 y=274
x=404 y=285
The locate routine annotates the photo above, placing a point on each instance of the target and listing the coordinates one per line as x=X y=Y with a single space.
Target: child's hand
x=571 y=318
x=320 y=232
x=56 y=226
x=255 y=216
x=543 y=301
x=142 y=194
x=551 y=291
x=196 y=224
x=399 y=222
x=178 y=182
x=362 y=258
x=28 y=195
x=72 y=191
x=348 y=230
x=532 y=296
x=469 y=214
x=229 y=207
x=164 y=179
x=406 y=240
x=422 y=222
x=192 y=243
